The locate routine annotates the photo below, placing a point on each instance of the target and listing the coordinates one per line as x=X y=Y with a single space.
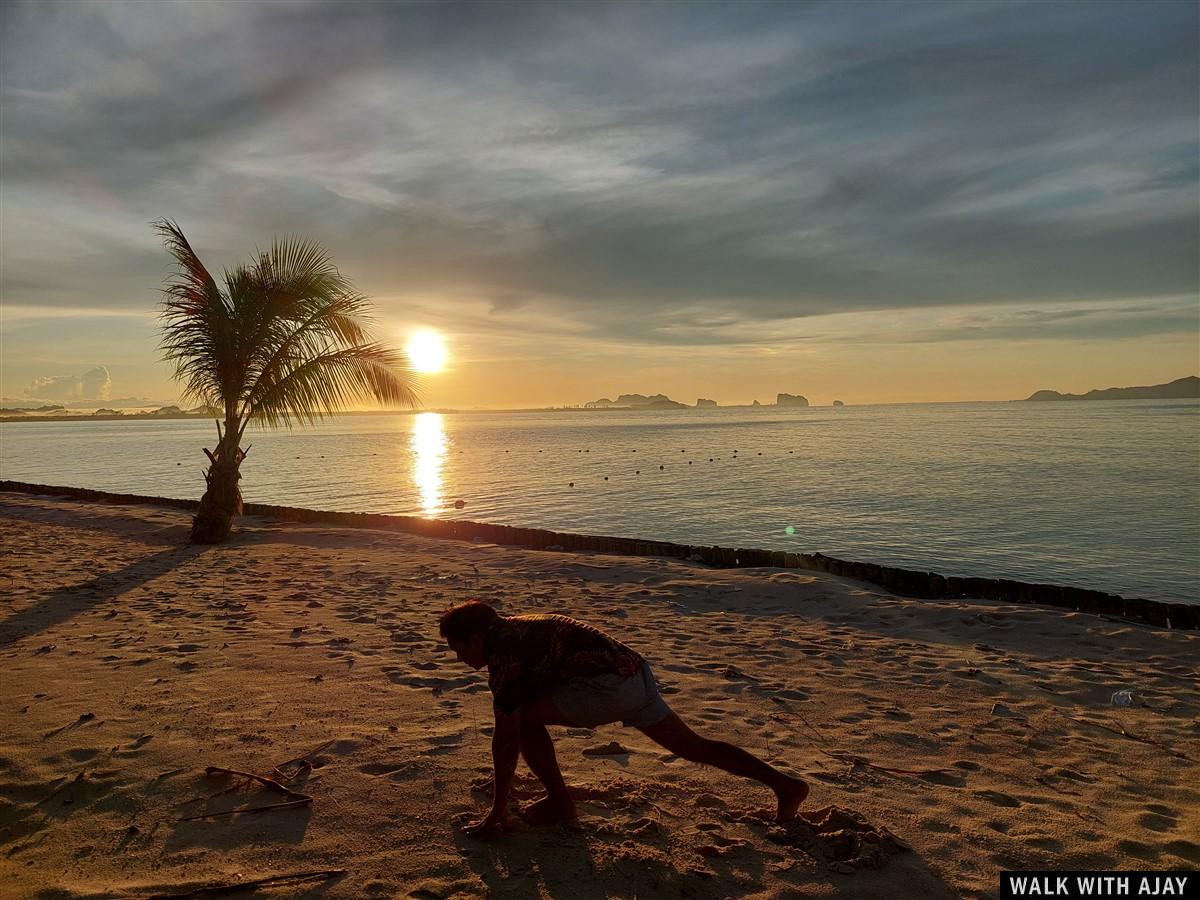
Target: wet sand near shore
x=944 y=740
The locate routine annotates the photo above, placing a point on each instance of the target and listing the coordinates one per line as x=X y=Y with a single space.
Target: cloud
x=623 y=164
x=94 y=384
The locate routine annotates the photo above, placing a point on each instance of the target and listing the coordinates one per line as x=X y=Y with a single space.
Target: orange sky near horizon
x=860 y=358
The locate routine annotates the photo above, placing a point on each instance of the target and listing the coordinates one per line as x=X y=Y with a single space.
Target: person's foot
x=791 y=792
x=548 y=811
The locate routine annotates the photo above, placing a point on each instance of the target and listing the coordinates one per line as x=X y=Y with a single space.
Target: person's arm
x=506 y=747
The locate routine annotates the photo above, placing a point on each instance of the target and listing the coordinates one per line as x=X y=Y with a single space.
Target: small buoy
x=539 y=451
x=660 y=468
x=710 y=459
x=689 y=462
x=606 y=478
x=459 y=504
x=179 y=464
x=760 y=454
x=572 y=484
x=638 y=472
x=633 y=451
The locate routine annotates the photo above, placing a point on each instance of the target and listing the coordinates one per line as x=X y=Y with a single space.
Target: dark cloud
x=628 y=165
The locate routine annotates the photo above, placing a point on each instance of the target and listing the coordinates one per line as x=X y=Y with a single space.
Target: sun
x=426 y=350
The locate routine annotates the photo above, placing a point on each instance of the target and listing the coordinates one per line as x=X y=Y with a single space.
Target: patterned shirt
x=529 y=656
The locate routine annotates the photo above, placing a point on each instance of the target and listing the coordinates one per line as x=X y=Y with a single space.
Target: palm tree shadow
x=157 y=526
x=67 y=602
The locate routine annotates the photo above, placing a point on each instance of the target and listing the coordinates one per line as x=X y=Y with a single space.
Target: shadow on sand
x=67 y=602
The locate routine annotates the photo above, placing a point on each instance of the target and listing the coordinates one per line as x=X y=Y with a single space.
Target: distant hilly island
x=57 y=411
x=662 y=401
x=15 y=411
x=1179 y=389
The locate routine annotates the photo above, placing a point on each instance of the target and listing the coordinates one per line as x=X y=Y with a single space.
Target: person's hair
x=460 y=622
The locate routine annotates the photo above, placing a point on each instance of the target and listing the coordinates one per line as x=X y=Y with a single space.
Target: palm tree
x=285 y=341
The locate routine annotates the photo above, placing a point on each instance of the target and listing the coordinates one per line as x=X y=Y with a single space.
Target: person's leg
x=538 y=749
x=675 y=736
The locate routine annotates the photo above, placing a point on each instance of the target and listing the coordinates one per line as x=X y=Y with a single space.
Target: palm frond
x=334 y=323
x=287 y=340
x=308 y=388
x=195 y=318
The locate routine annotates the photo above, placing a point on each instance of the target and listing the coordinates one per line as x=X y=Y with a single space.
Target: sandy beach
x=953 y=739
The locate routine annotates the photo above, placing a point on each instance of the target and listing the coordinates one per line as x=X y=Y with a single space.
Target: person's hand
x=494 y=823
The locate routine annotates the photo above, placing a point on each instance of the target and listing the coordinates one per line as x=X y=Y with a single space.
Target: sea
x=1094 y=494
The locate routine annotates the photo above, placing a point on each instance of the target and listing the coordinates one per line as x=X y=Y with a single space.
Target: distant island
x=636 y=401
x=662 y=401
x=790 y=400
x=1181 y=388
x=55 y=413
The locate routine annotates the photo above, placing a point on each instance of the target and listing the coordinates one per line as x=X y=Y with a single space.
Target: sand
x=131 y=661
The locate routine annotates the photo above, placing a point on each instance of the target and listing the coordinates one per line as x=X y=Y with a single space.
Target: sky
x=873 y=202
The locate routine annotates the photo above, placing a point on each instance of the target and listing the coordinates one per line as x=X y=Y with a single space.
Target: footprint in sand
x=407 y=637
x=643 y=826
x=785 y=694
x=466 y=683
x=1159 y=818
x=1138 y=849
x=998 y=799
x=81 y=754
x=1185 y=850
x=444 y=743
x=180 y=648
x=840 y=838
x=721 y=846
x=612 y=748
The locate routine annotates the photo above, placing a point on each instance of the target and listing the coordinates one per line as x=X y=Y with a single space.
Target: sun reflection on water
x=429 y=447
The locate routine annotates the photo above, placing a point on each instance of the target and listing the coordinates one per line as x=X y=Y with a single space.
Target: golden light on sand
x=426 y=351
x=429 y=446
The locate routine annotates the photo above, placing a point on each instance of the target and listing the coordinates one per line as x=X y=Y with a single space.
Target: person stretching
x=555 y=670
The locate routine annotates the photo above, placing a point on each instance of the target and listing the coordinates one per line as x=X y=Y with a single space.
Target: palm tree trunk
x=222 y=499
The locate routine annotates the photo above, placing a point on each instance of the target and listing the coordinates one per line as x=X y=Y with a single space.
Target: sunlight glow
x=429 y=445
x=426 y=350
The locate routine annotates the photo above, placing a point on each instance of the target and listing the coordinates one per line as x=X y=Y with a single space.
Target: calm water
x=1099 y=494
